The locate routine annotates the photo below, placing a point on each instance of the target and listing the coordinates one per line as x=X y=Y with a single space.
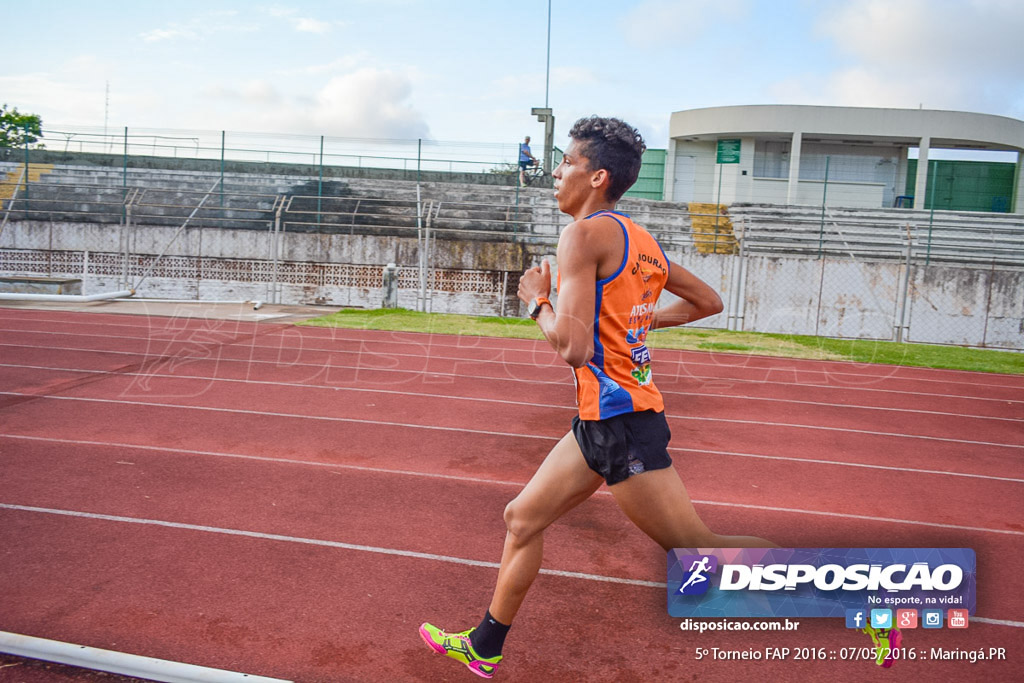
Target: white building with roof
x=839 y=156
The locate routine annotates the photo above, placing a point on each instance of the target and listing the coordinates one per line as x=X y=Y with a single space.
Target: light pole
x=544 y=114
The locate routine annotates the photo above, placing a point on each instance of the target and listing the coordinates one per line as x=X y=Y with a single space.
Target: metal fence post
x=28 y=203
x=390 y=286
x=824 y=195
x=931 y=214
x=904 y=290
x=320 y=184
x=124 y=173
x=988 y=304
x=422 y=303
x=821 y=288
x=223 y=135
x=718 y=206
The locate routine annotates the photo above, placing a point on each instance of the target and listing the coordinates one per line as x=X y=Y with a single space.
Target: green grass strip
x=697 y=339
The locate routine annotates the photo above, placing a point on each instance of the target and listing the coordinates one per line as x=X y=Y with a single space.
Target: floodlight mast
x=545 y=116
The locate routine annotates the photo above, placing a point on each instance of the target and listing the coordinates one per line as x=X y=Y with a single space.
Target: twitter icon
x=881 y=618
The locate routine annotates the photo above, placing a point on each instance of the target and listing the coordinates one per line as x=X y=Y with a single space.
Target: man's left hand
x=535 y=283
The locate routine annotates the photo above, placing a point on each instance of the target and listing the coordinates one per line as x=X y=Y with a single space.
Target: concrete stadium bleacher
x=941 y=236
x=247 y=200
x=342 y=204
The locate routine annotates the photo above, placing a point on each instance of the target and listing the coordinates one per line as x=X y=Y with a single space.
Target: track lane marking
x=330 y=418
x=395 y=552
x=319 y=542
x=535 y=342
x=329 y=365
x=114 y=373
x=547 y=352
x=483 y=480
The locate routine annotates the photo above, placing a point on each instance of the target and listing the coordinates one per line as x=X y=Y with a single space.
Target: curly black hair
x=614 y=145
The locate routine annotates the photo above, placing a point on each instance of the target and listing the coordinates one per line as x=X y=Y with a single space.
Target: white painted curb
x=109 y=661
x=66 y=298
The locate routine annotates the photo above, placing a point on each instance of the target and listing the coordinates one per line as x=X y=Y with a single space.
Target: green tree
x=17 y=129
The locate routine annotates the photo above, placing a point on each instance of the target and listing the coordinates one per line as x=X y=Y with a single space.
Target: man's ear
x=600 y=177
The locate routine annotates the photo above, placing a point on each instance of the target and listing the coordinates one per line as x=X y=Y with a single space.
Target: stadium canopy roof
x=852 y=125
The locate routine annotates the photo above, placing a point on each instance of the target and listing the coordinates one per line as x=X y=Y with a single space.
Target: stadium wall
x=838 y=297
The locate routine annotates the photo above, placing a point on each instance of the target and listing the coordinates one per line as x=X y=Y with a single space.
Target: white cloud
x=341 y=64
x=202 y=26
x=251 y=92
x=567 y=76
x=173 y=33
x=366 y=103
x=940 y=54
x=961 y=35
x=303 y=24
x=657 y=20
x=307 y=25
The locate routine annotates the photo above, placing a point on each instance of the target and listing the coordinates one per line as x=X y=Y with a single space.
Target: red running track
x=293 y=502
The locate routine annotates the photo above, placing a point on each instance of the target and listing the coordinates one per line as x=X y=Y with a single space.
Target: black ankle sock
x=489 y=637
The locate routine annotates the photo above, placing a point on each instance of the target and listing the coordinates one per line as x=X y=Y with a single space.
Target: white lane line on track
x=867 y=518
x=331 y=366
x=249 y=341
x=318 y=542
x=370 y=549
x=241 y=411
x=999 y=622
x=266 y=459
x=331 y=335
x=238 y=411
x=700 y=451
x=300 y=385
x=332 y=332
x=517 y=484
x=305 y=385
x=838 y=463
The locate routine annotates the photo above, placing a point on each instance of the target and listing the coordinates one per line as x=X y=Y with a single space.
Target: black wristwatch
x=534 y=308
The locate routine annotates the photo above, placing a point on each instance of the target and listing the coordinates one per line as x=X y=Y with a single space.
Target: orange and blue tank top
x=618 y=378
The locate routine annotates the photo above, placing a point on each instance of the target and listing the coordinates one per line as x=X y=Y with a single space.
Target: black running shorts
x=621 y=446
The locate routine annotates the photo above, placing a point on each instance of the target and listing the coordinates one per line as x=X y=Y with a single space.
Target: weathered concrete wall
x=850 y=298
x=250 y=244
x=961 y=306
x=219 y=264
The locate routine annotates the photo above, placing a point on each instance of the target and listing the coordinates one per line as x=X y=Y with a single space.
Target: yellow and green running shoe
x=458 y=647
x=886 y=640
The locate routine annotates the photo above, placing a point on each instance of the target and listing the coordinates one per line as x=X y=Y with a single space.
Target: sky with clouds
x=470 y=70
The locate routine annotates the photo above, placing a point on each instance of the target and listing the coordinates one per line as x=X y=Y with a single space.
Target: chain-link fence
x=214 y=151
x=831 y=175
x=899 y=276
x=172 y=232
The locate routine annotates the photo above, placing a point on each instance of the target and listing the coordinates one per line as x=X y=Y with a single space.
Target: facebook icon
x=856 y=618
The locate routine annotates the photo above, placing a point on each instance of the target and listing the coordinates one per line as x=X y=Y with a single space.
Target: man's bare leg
x=563 y=481
x=657 y=502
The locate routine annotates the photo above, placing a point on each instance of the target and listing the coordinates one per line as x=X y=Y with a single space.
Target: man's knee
x=518 y=522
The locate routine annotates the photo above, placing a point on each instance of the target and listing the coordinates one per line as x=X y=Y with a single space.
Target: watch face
x=534 y=309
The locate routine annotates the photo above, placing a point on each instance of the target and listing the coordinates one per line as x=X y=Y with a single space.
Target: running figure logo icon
x=696 y=581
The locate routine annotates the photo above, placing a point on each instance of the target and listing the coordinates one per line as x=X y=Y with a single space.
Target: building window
x=771 y=159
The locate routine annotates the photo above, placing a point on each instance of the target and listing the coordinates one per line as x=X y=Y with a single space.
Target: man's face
x=572 y=179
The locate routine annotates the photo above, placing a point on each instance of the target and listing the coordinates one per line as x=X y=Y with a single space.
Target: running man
x=697 y=571
x=526 y=159
x=611 y=273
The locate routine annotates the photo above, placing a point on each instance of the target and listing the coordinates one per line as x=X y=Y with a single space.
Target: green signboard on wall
x=728 y=151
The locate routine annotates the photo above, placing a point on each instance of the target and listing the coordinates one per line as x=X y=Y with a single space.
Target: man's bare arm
x=570 y=330
x=697 y=299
